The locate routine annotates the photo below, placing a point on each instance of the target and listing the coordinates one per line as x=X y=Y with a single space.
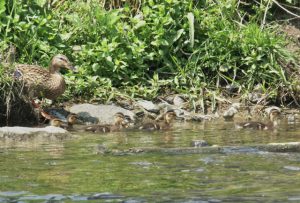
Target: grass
x=128 y=49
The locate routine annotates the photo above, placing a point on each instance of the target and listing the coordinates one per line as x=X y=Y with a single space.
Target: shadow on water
x=68 y=170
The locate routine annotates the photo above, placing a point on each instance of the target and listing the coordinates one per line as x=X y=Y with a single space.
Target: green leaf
x=140 y=24
x=65 y=36
x=2 y=6
x=40 y=3
x=178 y=35
x=95 y=67
x=190 y=17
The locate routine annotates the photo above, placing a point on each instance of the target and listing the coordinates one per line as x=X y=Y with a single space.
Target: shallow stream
x=74 y=169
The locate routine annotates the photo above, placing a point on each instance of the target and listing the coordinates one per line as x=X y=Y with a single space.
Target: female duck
x=39 y=82
x=169 y=116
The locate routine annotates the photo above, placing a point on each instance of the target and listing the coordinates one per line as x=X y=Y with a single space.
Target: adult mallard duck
x=121 y=122
x=40 y=82
x=168 y=117
x=274 y=115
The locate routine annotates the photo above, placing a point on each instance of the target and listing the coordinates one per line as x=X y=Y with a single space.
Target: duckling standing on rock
x=274 y=117
x=39 y=82
x=121 y=122
x=169 y=116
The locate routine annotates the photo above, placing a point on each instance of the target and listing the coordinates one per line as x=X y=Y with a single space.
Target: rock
x=292 y=168
x=19 y=131
x=178 y=101
x=229 y=113
x=148 y=105
x=199 y=143
x=32 y=137
x=232 y=89
x=102 y=114
x=105 y=195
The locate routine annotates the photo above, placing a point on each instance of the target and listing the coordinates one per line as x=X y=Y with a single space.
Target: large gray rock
x=102 y=114
x=49 y=130
x=23 y=134
x=148 y=105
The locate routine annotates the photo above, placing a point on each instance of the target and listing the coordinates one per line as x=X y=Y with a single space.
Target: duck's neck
x=167 y=122
x=118 y=124
x=53 y=67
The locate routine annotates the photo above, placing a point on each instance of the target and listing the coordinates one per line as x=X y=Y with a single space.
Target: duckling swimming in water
x=169 y=116
x=67 y=125
x=120 y=122
x=274 y=117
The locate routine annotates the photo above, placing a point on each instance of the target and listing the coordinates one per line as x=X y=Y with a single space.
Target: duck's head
x=60 y=61
x=72 y=118
x=170 y=116
x=122 y=120
x=56 y=122
x=274 y=115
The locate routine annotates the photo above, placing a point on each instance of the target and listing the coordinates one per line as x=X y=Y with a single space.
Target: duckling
x=71 y=120
x=274 y=116
x=67 y=125
x=56 y=122
x=121 y=122
x=168 y=117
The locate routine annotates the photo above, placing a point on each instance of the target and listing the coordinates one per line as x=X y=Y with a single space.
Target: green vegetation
x=132 y=49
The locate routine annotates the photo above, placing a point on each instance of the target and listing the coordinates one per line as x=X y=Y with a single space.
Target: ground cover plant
x=143 y=49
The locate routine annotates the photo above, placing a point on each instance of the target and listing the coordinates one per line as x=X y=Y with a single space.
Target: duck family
x=39 y=82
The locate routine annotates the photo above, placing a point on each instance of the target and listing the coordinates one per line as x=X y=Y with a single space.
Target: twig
x=289 y=6
x=265 y=16
x=289 y=12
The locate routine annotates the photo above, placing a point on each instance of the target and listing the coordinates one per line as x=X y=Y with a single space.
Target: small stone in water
x=104 y=196
x=199 y=143
x=292 y=168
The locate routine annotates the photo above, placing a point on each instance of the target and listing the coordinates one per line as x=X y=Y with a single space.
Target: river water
x=55 y=169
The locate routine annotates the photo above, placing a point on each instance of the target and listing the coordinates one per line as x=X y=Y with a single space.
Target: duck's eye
x=63 y=59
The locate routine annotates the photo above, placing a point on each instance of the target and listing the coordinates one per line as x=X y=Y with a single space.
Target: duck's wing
x=150 y=126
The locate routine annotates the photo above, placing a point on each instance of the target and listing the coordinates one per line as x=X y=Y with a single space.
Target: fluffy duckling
x=56 y=122
x=168 y=117
x=120 y=122
x=274 y=117
x=71 y=120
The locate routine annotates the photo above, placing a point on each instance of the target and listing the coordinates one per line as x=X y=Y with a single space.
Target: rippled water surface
x=67 y=170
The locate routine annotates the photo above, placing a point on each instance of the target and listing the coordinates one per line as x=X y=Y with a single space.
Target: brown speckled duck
x=168 y=117
x=274 y=117
x=121 y=122
x=71 y=120
x=40 y=82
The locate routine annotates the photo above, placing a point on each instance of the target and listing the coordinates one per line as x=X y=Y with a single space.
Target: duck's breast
x=55 y=86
